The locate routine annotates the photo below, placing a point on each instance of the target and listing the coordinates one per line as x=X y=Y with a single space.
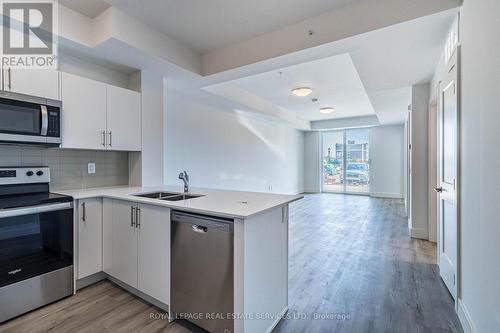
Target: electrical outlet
x=91 y=168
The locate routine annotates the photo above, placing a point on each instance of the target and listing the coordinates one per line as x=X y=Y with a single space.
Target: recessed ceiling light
x=327 y=110
x=302 y=91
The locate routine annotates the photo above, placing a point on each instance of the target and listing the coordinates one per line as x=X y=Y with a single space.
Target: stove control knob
x=39 y=173
x=29 y=173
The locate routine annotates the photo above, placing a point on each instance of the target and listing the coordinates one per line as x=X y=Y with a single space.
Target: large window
x=346 y=161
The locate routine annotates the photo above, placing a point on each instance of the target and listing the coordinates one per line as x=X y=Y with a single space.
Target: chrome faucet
x=185 y=178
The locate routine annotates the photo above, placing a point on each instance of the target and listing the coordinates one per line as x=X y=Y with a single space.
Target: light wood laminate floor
x=353 y=268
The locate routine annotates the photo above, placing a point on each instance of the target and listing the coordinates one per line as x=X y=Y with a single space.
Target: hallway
x=353 y=264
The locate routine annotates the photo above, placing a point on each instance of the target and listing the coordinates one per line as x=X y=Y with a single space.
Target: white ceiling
x=389 y=61
x=90 y=8
x=208 y=25
x=334 y=80
x=403 y=54
x=385 y=62
x=391 y=105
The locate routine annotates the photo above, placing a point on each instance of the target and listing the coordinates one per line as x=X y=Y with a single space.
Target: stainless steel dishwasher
x=202 y=271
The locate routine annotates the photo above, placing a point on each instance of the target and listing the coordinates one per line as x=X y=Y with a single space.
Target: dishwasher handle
x=199 y=229
x=203 y=223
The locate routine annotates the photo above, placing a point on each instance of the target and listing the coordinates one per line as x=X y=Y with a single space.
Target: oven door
x=34 y=241
x=23 y=118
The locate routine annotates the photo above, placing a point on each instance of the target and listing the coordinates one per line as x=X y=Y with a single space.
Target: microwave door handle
x=45 y=120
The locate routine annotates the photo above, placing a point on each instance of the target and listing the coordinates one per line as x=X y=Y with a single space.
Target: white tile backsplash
x=68 y=168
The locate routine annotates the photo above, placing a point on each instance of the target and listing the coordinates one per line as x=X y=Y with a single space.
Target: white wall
x=419 y=227
x=82 y=67
x=387 y=161
x=147 y=167
x=312 y=162
x=480 y=165
x=229 y=149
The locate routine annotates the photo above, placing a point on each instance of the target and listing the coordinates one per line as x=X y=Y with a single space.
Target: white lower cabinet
x=154 y=252
x=124 y=242
x=140 y=250
x=89 y=237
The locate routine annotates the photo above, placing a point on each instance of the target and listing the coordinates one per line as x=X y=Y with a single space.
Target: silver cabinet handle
x=103 y=138
x=110 y=139
x=138 y=217
x=132 y=216
x=3 y=79
x=10 y=81
x=83 y=211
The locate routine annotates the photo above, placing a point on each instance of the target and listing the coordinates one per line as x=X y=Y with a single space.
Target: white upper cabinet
x=84 y=113
x=35 y=82
x=123 y=119
x=99 y=116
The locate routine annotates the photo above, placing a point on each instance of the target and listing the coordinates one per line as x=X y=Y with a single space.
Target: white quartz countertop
x=233 y=204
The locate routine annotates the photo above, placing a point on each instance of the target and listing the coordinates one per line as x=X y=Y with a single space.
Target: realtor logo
x=29 y=34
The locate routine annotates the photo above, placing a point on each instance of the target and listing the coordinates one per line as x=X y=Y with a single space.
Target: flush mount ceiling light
x=302 y=91
x=327 y=110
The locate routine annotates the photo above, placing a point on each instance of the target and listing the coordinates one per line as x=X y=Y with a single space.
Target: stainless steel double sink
x=168 y=196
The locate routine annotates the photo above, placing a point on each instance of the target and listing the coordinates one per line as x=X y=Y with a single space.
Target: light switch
x=91 y=168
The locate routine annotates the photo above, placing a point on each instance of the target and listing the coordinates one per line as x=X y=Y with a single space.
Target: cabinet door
x=84 y=112
x=36 y=82
x=89 y=237
x=107 y=236
x=123 y=119
x=154 y=252
x=124 y=243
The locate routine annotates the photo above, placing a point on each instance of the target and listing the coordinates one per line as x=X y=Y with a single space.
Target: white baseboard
x=418 y=233
x=465 y=319
x=386 y=195
x=94 y=278
x=311 y=190
x=89 y=280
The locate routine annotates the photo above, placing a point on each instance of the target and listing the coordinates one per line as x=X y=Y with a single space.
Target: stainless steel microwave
x=27 y=119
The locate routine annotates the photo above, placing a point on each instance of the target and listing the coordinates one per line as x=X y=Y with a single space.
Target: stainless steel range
x=36 y=241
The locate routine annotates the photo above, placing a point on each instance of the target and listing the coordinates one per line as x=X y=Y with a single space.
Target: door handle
x=199 y=229
x=132 y=216
x=83 y=212
x=45 y=120
x=439 y=189
x=110 y=139
x=34 y=209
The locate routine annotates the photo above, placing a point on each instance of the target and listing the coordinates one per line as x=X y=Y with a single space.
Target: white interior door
x=448 y=170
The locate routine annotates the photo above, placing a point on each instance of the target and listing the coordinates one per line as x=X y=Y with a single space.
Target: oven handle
x=34 y=209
